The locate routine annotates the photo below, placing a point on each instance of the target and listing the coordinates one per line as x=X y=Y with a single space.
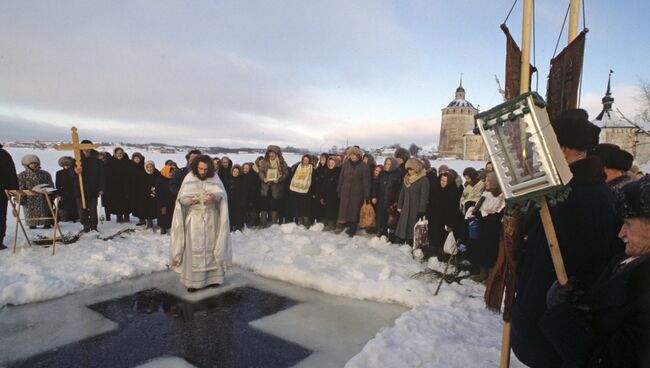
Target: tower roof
x=607 y=117
x=460 y=100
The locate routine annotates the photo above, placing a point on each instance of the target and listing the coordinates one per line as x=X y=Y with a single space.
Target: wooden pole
x=526 y=28
x=77 y=159
x=574 y=19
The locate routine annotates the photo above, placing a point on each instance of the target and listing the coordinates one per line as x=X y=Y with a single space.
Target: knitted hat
x=402 y=153
x=30 y=159
x=574 y=130
x=415 y=164
x=634 y=199
x=66 y=161
x=613 y=157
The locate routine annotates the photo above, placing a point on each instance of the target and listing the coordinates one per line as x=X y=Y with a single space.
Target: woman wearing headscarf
x=369 y=160
x=148 y=195
x=226 y=167
x=119 y=176
x=328 y=194
x=65 y=190
x=236 y=190
x=485 y=227
x=300 y=191
x=164 y=198
x=320 y=170
x=412 y=201
x=35 y=206
x=251 y=184
x=386 y=193
x=472 y=190
x=353 y=188
x=138 y=185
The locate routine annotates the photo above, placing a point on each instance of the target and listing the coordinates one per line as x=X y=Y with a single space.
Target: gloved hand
x=560 y=294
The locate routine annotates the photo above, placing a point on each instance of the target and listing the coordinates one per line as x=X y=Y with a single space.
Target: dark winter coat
x=140 y=203
x=92 y=174
x=301 y=203
x=118 y=187
x=8 y=177
x=164 y=202
x=387 y=193
x=147 y=201
x=236 y=201
x=329 y=194
x=615 y=331
x=35 y=206
x=443 y=211
x=412 y=201
x=353 y=189
x=586 y=228
x=251 y=184
x=177 y=180
x=317 y=179
x=65 y=190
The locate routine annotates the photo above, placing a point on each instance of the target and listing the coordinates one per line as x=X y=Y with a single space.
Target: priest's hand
x=209 y=199
x=195 y=200
x=176 y=262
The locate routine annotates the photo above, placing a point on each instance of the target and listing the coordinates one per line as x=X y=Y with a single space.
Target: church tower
x=457 y=120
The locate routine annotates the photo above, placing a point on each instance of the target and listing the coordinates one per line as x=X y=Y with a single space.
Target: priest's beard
x=202 y=176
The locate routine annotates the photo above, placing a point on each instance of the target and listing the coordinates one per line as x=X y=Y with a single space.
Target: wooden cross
x=76 y=147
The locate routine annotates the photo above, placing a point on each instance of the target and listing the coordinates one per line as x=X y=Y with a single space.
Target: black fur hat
x=574 y=130
x=613 y=157
x=634 y=199
x=402 y=153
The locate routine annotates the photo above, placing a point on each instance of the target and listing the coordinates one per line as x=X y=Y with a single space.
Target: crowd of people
x=595 y=223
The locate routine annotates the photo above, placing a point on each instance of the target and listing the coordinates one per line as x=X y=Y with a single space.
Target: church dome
x=461 y=103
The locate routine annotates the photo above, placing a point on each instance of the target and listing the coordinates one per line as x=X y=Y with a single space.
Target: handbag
x=367 y=216
x=450 y=246
x=421 y=234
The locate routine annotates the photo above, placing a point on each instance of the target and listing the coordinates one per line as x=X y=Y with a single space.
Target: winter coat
x=387 y=193
x=164 y=202
x=140 y=204
x=443 y=211
x=615 y=330
x=317 y=179
x=35 y=206
x=412 y=201
x=471 y=194
x=586 y=228
x=301 y=203
x=147 y=196
x=251 y=184
x=329 y=194
x=118 y=187
x=177 y=180
x=276 y=188
x=483 y=250
x=353 y=189
x=8 y=177
x=93 y=176
x=65 y=190
x=237 y=194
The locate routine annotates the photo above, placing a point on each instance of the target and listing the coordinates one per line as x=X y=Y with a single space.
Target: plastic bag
x=450 y=244
x=421 y=233
x=367 y=216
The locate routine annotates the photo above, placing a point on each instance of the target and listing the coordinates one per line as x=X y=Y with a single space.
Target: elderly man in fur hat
x=586 y=226
x=65 y=190
x=610 y=325
x=35 y=206
x=8 y=180
x=273 y=171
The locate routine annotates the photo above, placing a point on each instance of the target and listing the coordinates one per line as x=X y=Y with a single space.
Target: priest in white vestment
x=200 y=233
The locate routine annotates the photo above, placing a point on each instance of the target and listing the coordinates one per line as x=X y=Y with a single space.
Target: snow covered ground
x=452 y=329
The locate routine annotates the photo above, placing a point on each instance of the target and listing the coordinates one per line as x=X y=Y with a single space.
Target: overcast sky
x=304 y=73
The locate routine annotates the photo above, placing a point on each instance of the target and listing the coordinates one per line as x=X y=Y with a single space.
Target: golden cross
x=76 y=147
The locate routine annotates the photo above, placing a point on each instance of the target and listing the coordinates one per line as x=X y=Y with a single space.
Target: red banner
x=564 y=78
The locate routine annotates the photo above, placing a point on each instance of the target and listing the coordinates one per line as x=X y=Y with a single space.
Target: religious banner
x=513 y=65
x=564 y=77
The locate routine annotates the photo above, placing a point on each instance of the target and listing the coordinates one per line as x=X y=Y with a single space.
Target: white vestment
x=200 y=233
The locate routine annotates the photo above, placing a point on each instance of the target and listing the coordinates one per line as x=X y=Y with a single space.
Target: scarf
x=409 y=180
x=301 y=179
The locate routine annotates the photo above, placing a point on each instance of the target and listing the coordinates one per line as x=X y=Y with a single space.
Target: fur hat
x=30 y=159
x=66 y=161
x=634 y=199
x=574 y=130
x=613 y=157
x=415 y=164
x=402 y=153
x=354 y=151
x=274 y=148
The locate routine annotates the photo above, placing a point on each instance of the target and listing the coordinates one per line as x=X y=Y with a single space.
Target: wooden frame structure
x=15 y=196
